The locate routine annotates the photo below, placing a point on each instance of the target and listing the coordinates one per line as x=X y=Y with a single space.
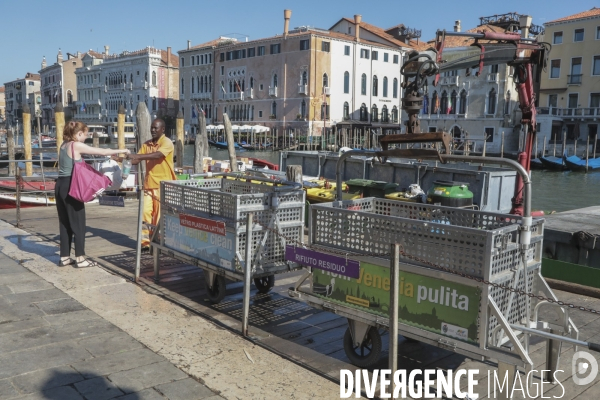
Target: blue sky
x=38 y=28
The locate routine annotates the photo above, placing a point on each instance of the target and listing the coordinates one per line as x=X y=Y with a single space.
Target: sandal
x=86 y=264
x=64 y=263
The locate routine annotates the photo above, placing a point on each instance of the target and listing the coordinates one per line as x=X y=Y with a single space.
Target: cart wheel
x=265 y=283
x=216 y=294
x=367 y=353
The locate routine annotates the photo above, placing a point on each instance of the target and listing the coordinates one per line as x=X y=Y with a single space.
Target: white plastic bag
x=111 y=169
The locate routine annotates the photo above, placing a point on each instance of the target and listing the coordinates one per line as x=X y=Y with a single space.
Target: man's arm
x=136 y=158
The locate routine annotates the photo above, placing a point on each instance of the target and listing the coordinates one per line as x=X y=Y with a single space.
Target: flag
x=237 y=86
x=425 y=105
x=202 y=111
x=437 y=104
x=223 y=88
x=449 y=106
x=82 y=109
x=194 y=112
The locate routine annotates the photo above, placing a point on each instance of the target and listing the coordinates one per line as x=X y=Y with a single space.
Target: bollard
x=247 y=275
x=121 y=127
x=59 y=117
x=27 y=138
x=179 y=132
x=95 y=140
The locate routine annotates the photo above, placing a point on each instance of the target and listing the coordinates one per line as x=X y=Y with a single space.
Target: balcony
x=326 y=91
x=303 y=89
x=580 y=112
x=574 y=79
x=201 y=96
x=233 y=96
x=494 y=77
x=449 y=81
x=249 y=93
x=273 y=91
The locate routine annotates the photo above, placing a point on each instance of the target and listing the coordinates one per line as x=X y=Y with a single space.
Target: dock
x=308 y=337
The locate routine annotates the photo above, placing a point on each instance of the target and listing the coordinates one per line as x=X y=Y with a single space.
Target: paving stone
x=28 y=360
x=4 y=289
x=60 y=306
x=71 y=317
x=30 y=286
x=215 y=397
x=10 y=327
x=22 y=276
x=146 y=394
x=34 y=297
x=18 y=312
x=98 y=388
x=117 y=362
x=110 y=343
x=10 y=266
x=38 y=381
x=185 y=389
x=54 y=334
x=146 y=376
x=7 y=390
x=59 y=393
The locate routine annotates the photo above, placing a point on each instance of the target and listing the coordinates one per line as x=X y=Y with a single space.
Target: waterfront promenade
x=295 y=352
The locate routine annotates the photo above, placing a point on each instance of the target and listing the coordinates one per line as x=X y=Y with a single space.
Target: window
x=596 y=66
x=325 y=81
x=346 y=113
x=395 y=59
x=363 y=84
x=261 y=87
x=260 y=114
x=346 y=50
x=274 y=81
x=493 y=68
x=325 y=111
x=251 y=52
x=395 y=114
x=275 y=48
x=374 y=113
x=304 y=44
x=222 y=70
x=434 y=103
x=346 y=82
x=492 y=100
x=364 y=115
x=304 y=78
x=444 y=103
x=554 y=69
x=573 y=100
x=273 y=110
x=558 y=36
x=303 y=109
x=462 y=109
x=364 y=53
x=385 y=86
x=386 y=57
x=261 y=50
x=597 y=32
x=395 y=88
x=384 y=114
x=182 y=62
x=578 y=37
x=325 y=46
x=193 y=60
x=182 y=86
x=507 y=103
x=594 y=100
x=552 y=100
x=153 y=78
x=375 y=85
x=374 y=55
x=575 y=77
x=489 y=134
x=452 y=104
x=222 y=57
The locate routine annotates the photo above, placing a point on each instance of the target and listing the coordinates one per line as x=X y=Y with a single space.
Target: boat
x=9 y=200
x=575 y=163
x=553 y=163
x=223 y=145
x=260 y=163
x=254 y=147
x=4 y=157
x=535 y=163
x=101 y=131
x=27 y=186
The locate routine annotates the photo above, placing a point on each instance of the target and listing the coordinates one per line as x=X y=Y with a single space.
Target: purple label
x=326 y=262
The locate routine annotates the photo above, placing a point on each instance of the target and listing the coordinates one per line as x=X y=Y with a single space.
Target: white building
x=104 y=82
x=17 y=94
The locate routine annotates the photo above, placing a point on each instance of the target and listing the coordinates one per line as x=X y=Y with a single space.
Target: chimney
x=457 y=25
x=44 y=62
x=106 y=48
x=169 y=55
x=59 y=56
x=525 y=23
x=357 y=20
x=78 y=54
x=189 y=44
x=287 y=14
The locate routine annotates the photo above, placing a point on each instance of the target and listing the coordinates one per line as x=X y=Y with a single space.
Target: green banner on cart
x=448 y=308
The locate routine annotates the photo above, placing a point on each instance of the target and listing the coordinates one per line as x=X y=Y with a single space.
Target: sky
x=37 y=28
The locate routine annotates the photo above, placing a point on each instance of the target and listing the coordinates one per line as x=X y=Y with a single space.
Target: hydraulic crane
x=488 y=48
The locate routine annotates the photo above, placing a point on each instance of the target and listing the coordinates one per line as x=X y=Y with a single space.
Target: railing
x=200 y=96
x=249 y=93
x=493 y=77
x=326 y=91
x=302 y=89
x=232 y=96
x=449 y=81
x=574 y=79
x=588 y=112
x=273 y=91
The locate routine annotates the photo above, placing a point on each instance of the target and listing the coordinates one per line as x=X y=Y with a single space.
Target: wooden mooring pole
x=201 y=145
x=230 y=143
x=142 y=116
x=180 y=137
x=59 y=118
x=10 y=147
x=27 y=138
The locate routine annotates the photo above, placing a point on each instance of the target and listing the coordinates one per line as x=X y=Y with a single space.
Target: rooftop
x=460 y=41
x=594 y=12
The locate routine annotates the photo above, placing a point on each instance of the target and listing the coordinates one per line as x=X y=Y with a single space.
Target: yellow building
x=569 y=100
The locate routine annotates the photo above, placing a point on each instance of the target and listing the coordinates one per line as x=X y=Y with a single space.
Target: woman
x=71 y=212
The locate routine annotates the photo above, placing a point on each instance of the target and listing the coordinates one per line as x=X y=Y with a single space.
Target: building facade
x=2 y=105
x=105 y=81
x=569 y=102
x=59 y=85
x=17 y=94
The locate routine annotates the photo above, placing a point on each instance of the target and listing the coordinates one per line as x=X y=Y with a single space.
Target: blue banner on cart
x=326 y=262
x=210 y=247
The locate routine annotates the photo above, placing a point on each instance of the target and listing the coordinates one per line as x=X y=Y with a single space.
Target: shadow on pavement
x=84 y=385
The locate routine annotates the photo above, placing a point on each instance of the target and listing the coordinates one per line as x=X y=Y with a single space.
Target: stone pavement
x=53 y=347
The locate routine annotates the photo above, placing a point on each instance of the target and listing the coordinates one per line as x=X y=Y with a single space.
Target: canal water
x=552 y=191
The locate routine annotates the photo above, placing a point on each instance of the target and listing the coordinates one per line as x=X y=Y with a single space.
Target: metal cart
x=204 y=223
